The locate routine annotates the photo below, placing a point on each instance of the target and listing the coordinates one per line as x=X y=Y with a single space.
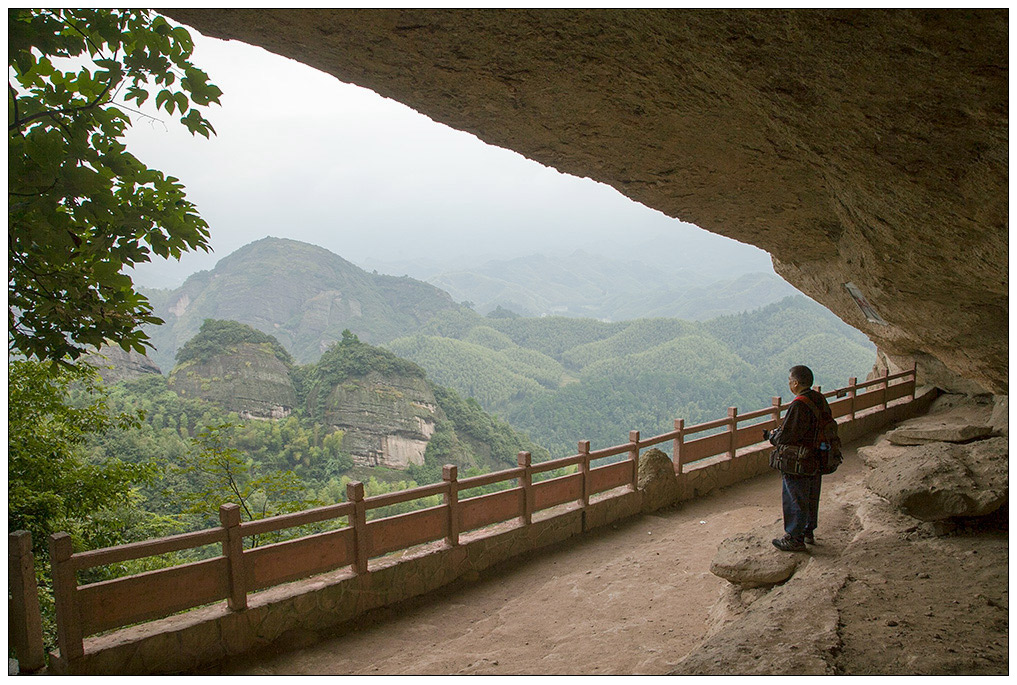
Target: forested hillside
x=176 y=458
x=461 y=388
x=558 y=378
x=561 y=379
x=301 y=294
x=305 y=295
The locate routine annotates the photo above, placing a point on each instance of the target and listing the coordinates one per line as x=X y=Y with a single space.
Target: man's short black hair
x=802 y=374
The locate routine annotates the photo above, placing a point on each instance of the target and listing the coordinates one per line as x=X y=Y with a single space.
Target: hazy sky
x=302 y=155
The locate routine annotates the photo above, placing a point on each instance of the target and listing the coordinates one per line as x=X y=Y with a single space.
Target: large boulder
x=944 y=432
x=657 y=480
x=941 y=480
x=953 y=418
x=750 y=559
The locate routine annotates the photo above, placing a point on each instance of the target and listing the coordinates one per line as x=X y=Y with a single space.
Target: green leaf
x=80 y=205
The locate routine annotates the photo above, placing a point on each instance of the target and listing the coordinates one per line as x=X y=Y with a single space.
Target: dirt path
x=632 y=598
x=636 y=598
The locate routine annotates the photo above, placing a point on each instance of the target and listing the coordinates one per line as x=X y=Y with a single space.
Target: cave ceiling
x=864 y=147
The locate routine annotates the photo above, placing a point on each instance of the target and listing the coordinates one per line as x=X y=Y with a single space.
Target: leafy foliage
x=81 y=208
x=473 y=370
x=350 y=358
x=225 y=475
x=564 y=379
x=216 y=337
x=52 y=484
x=487 y=435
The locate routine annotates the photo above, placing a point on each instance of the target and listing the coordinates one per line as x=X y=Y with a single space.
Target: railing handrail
x=272 y=524
x=110 y=555
x=146 y=548
x=427 y=524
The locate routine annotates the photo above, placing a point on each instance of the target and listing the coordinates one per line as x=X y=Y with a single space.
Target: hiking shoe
x=810 y=539
x=789 y=544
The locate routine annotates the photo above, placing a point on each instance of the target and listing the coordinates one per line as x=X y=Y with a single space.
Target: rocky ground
x=882 y=592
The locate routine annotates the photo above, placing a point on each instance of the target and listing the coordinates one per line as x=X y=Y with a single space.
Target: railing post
x=355 y=494
x=450 y=474
x=775 y=411
x=525 y=461
x=584 y=471
x=886 y=387
x=732 y=426
x=679 y=440
x=65 y=586
x=233 y=550
x=26 y=631
x=914 y=380
x=852 y=393
x=634 y=458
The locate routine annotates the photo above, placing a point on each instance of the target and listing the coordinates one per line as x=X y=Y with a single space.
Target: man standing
x=797 y=458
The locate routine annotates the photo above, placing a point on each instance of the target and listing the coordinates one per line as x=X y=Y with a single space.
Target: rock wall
x=246 y=378
x=866 y=147
x=115 y=365
x=387 y=420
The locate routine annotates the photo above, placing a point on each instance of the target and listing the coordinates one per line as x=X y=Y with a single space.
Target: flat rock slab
x=750 y=559
x=923 y=434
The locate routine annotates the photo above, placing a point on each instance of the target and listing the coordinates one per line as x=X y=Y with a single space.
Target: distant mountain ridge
x=586 y=285
x=301 y=294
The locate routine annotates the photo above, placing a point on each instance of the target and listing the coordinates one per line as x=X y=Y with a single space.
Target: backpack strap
x=817 y=412
x=810 y=404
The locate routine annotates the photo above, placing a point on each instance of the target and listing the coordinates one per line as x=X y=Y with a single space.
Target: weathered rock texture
x=941 y=480
x=115 y=365
x=657 y=480
x=866 y=147
x=880 y=593
x=750 y=560
x=387 y=419
x=943 y=465
x=878 y=596
x=246 y=378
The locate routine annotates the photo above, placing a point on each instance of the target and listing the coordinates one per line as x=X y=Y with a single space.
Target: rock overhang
x=867 y=147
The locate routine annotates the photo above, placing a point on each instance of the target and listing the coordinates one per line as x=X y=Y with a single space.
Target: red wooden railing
x=83 y=610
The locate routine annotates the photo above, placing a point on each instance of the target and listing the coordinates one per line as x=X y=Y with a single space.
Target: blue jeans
x=800 y=499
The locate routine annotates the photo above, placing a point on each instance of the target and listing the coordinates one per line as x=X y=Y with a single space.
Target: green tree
x=81 y=208
x=222 y=475
x=51 y=484
x=216 y=337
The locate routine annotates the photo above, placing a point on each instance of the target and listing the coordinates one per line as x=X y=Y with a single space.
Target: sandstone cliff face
x=388 y=420
x=246 y=378
x=115 y=365
x=864 y=147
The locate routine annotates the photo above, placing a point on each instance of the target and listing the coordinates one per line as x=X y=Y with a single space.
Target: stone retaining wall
x=293 y=614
